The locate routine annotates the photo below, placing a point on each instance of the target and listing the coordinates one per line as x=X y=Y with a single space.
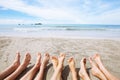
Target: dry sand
x=77 y=48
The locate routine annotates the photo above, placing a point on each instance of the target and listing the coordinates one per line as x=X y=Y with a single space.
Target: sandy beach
x=108 y=49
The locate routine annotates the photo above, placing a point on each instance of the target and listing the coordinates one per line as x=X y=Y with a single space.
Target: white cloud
x=54 y=11
x=45 y=13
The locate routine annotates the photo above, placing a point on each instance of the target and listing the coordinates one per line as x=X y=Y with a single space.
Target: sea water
x=61 y=30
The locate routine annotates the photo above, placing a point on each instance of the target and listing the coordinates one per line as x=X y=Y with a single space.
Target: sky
x=60 y=11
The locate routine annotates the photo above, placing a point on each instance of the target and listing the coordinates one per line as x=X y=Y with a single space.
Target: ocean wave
x=63 y=28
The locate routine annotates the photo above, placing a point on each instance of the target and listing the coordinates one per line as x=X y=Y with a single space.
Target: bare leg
x=30 y=75
x=20 y=68
x=42 y=67
x=71 y=63
x=108 y=75
x=55 y=63
x=11 y=68
x=83 y=73
x=59 y=68
x=96 y=71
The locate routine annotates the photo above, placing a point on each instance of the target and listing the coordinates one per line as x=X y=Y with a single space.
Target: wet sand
x=108 y=49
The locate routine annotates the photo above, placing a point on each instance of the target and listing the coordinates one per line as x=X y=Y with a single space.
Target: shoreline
x=56 y=37
x=109 y=50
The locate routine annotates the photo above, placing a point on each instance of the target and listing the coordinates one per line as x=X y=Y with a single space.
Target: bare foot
x=96 y=57
x=61 y=60
x=108 y=75
x=62 y=57
x=11 y=68
x=55 y=63
x=26 y=59
x=37 y=64
x=54 y=60
x=57 y=72
x=96 y=71
x=83 y=73
x=42 y=67
x=16 y=62
x=46 y=59
x=20 y=68
x=71 y=63
x=30 y=75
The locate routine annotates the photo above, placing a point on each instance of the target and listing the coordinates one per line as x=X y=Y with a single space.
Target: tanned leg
x=42 y=67
x=96 y=71
x=83 y=73
x=30 y=75
x=20 y=68
x=55 y=63
x=59 y=68
x=71 y=63
x=11 y=68
x=108 y=75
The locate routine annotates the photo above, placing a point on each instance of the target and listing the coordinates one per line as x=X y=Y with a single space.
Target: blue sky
x=60 y=11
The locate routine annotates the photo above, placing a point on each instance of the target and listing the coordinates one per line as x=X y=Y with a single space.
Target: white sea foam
x=62 y=31
x=62 y=28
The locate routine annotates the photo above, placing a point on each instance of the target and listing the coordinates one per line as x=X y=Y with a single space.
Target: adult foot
x=16 y=62
x=97 y=59
x=38 y=61
x=108 y=75
x=26 y=59
x=71 y=63
x=20 y=68
x=30 y=75
x=46 y=59
x=83 y=73
x=11 y=68
x=54 y=60
x=96 y=71
x=61 y=60
x=55 y=63
x=57 y=72
x=42 y=67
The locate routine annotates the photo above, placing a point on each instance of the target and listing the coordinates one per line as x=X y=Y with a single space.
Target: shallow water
x=61 y=30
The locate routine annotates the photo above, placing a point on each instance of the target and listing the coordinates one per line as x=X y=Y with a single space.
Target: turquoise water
x=61 y=30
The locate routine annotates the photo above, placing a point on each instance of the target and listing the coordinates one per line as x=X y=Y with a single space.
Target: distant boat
x=38 y=23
